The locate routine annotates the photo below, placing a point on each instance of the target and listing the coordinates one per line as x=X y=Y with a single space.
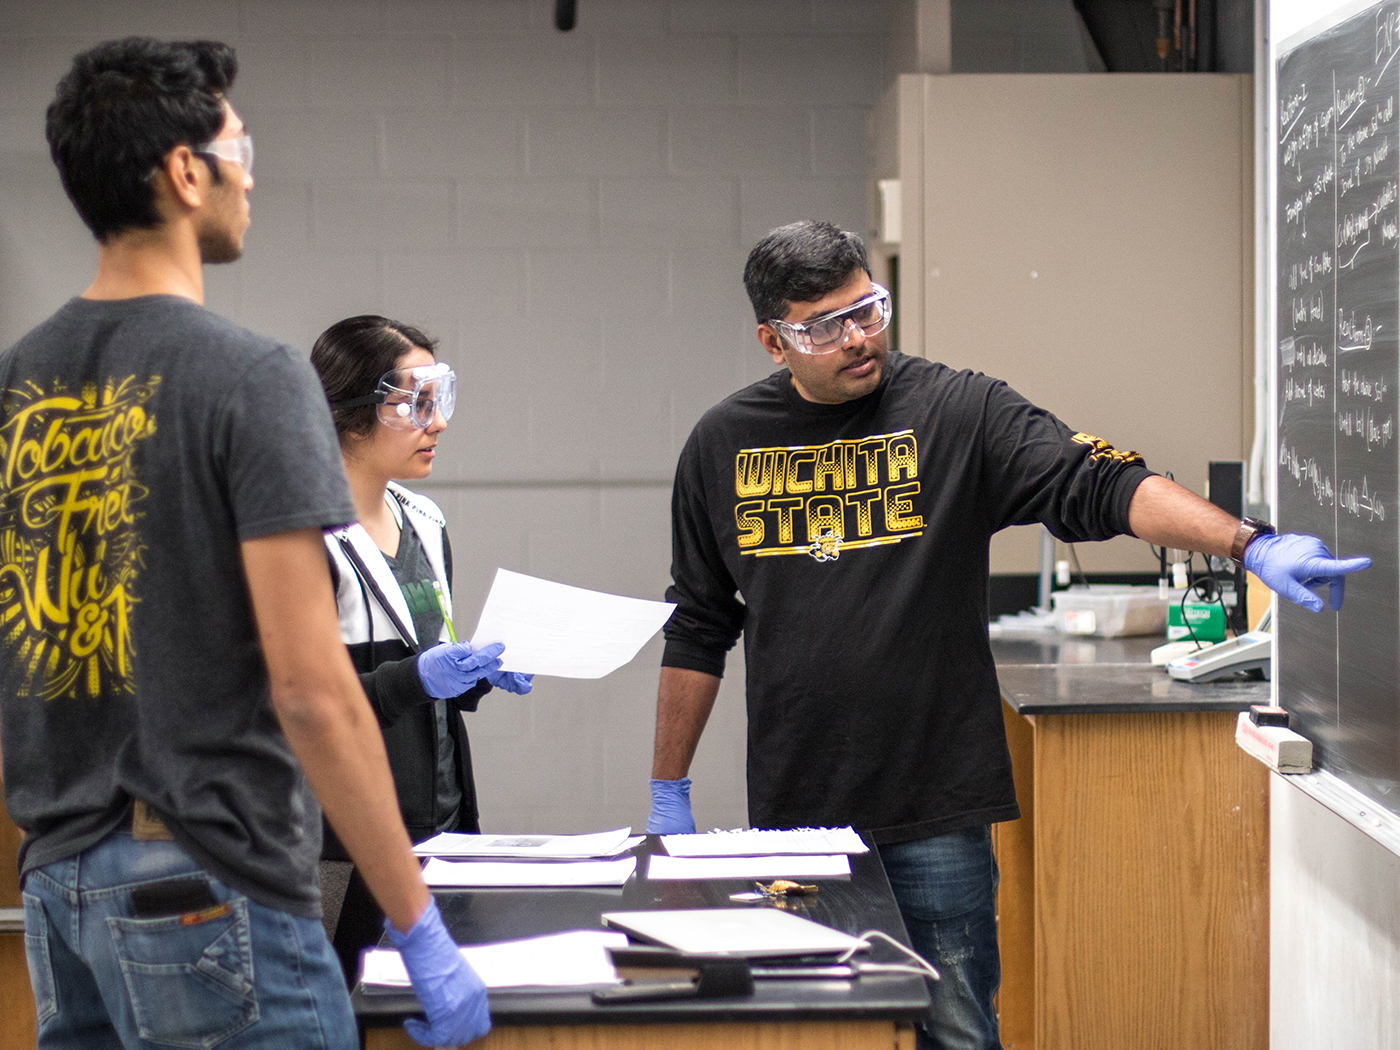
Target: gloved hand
x=451 y=993
x=451 y=668
x=511 y=681
x=1290 y=564
x=670 y=808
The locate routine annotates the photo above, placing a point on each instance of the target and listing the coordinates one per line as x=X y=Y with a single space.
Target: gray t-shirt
x=141 y=441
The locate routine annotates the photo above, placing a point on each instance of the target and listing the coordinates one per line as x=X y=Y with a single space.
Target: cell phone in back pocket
x=172 y=897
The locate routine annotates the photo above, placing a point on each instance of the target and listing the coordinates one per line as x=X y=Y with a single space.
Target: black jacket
x=378 y=631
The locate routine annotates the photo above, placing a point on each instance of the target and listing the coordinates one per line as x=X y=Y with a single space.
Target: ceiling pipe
x=1164 y=35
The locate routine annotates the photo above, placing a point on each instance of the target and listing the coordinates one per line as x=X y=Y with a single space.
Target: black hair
x=800 y=263
x=352 y=355
x=120 y=110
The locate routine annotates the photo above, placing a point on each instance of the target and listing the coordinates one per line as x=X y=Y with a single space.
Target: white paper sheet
x=552 y=628
x=445 y=874
x=539 y=847
x=659 y=867
x=746 y=842
x=557 y=960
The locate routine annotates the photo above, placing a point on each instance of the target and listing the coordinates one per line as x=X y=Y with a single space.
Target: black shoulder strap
x=335 y=571
x=367 y=580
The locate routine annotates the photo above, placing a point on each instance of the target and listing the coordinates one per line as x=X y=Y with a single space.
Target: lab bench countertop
x=1056 y=674
x=853 y=904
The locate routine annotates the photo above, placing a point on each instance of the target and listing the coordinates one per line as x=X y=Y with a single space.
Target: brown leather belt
x=146 y=825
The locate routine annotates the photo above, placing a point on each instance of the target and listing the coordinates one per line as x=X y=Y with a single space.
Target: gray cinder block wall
x=569 y=213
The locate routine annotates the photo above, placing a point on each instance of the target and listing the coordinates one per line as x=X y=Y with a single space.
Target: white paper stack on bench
x=537 y=847
x=451 y=874
x=558 y=960
x=785 y=867
x=799 y=853
x=765 y=842
x=462 y=861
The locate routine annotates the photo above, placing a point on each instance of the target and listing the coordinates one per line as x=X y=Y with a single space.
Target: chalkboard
x=1337 y=171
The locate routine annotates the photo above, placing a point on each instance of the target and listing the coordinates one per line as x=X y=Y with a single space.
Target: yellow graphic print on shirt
x=1101 y=449
x=822 y=500
x=69 y=547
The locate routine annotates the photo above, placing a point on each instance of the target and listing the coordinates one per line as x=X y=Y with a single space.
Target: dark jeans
x=946 y=890
x=237 y=976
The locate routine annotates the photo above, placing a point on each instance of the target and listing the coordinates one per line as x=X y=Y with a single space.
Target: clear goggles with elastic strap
x=410 y=398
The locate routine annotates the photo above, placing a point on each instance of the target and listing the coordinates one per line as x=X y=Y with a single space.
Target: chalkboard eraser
x=1267 y=715
x=1282 y=750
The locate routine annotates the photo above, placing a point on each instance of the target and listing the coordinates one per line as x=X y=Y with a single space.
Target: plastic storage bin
x=1112 y=610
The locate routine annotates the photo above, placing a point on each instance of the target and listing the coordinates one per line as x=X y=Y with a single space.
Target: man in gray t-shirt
x=146 y=438
x=174 y=693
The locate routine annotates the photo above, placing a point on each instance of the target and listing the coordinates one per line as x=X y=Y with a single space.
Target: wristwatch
x=1249 y=530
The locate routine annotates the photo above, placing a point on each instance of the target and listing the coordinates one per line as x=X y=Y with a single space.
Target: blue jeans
x=946 y=890
x=235 y=975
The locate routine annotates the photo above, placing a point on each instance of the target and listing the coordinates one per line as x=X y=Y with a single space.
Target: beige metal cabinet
x=1089 y=239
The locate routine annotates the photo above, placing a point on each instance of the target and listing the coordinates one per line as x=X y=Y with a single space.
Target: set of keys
x=778 y=889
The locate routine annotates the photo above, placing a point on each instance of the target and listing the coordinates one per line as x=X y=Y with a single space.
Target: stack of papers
x=537 y=847
x=536 y=860
x=784 y=867
x=765 y=842
x=449 y=874
x=559 y=960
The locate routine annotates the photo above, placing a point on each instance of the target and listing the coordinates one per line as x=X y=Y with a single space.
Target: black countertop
x=1055 y=674
x=855 y=904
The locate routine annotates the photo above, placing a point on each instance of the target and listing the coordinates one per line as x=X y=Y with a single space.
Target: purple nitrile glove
x=1291 y=563
x=449 y=990
x=451 y=668
x=511 y=681
x=670 y=808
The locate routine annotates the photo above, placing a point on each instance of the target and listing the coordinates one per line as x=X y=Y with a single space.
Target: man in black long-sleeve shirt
x=838 y=514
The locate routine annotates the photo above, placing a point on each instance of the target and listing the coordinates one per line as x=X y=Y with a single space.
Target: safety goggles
x=239 y=151
x=410 y=398
x=827 y=333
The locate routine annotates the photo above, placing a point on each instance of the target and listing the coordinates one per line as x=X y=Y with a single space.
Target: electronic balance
x=1252 y=651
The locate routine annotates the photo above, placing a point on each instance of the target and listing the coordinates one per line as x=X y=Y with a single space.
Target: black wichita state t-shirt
x=141 y=441
x=849 y=545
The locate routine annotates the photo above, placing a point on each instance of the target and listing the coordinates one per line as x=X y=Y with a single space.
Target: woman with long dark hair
x=391 y=399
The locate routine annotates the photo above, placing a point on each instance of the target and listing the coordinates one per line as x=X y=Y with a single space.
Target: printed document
x=558 y=960
x=444 y=874
x=554 y=629
x=537 y=847
x=750 y=842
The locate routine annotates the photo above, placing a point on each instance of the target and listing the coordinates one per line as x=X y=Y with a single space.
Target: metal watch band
x=1248 y=530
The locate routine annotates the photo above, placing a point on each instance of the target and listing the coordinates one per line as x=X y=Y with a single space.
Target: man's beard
x=218 y=237
x=218 y=246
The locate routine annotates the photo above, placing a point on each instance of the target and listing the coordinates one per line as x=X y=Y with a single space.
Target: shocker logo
x=826 y=547
x=70 y=550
